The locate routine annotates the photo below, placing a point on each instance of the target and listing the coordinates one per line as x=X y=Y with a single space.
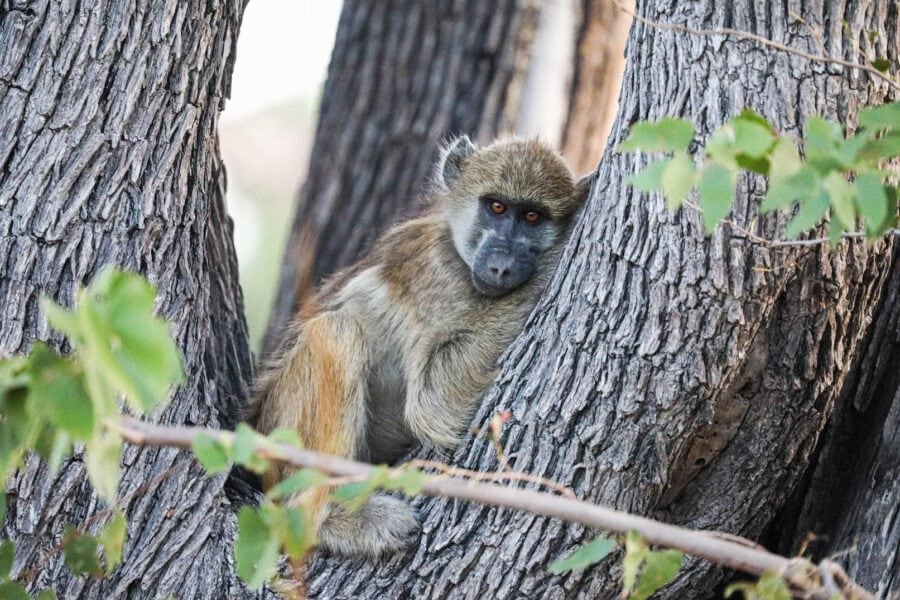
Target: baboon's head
x=509 y=206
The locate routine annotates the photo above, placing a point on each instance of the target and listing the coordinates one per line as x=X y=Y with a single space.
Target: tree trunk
x=403 y=76
x=853 y=495
x=597 y=77
x=664 y=372
x=109 y=154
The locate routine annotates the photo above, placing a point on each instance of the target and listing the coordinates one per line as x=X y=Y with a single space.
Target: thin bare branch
x=722 y=549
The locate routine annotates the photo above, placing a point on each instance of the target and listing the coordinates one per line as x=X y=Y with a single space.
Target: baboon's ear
x=452 y=158
x=583 y=187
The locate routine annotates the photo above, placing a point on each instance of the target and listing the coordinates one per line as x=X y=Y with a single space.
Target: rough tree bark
x=405 y=75
x=667 y=373
x=853 y=494
x=109 y=156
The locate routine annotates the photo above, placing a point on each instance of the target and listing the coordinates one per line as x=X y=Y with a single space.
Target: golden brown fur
x=403 y=344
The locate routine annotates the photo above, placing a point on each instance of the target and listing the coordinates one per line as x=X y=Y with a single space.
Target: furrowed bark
x=667 y=373
x=851 y=500
x=109 y=156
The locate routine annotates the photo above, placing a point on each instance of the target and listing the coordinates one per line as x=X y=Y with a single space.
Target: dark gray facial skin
x=512 y=236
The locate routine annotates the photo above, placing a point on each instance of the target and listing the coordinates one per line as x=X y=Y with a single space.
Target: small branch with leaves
x=731 y=551
x=842 y=180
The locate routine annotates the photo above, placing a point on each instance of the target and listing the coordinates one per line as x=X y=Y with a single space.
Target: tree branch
x=724 y=549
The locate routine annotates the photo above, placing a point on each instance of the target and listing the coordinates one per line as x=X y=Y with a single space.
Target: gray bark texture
x=109 y=156
x=668 y=373
x=852 y=498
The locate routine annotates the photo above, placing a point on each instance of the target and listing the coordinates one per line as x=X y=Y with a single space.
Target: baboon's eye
x=532 y=216
x=497 y=206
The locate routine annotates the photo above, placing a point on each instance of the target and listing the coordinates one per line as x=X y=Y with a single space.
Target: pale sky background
x=283 y=52
x=266 y=132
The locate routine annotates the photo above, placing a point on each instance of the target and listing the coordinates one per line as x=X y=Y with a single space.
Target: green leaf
x=211 y=453
x=13 y=591
x=835 y=233
x=677 y=179
x=101 y=458
x=255 y=550
x=884 y=147
x=635 y=550
x=752 y=137
x=841 y=194
x=244 y=449
x=13 y=373
x=80 y=552
x=886 y=116
x=146 y=359
x=892 y=197
x=793 y=187
x=19 y=429
x=296 y=482
x=660 y=567
x=720 y=146
x=785 y=160
x=7 y=555
x=757 y=165
x=811 y=213
x=872 y=202
x=298 y=536
x=772 y=587
x=243 y=444
x=112 y=538
x=123 y=346
x=751 y=116
x=821 y=133
x=882 y=64
x=588 y=554
x=353 y=495
x=57 y=387
x=410 y=481
x=821 y=144
x=46 y=594
x=285 y=436
x=650 y=178
x=59 y=450
x=769 y=587
x=53 y=445
x=716 y=189
x=61 y=319
x=665 y=135
x=848 y=151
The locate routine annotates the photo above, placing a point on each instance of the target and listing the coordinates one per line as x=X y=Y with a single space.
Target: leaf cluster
x=841 y=178
x=282 y=524
x=644 y=571
x=49 y=403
